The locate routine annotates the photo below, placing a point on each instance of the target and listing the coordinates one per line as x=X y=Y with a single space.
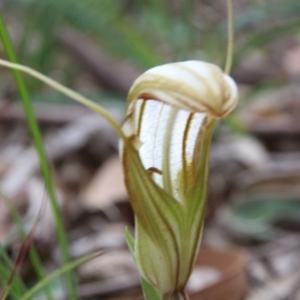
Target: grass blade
x=37 y=140
x=24 y=250
x=18 y=288
x=66 y=268
x=33 y=254
x=21 y=255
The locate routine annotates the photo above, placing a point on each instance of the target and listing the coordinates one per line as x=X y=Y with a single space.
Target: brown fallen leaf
x=106 y=187
x=111 y=236
x=64 y=141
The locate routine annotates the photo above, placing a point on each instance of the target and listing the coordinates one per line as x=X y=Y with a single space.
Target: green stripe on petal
x=158 y=216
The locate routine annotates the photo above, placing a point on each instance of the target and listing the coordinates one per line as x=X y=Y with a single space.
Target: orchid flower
x=165 y=141
x=171 y=111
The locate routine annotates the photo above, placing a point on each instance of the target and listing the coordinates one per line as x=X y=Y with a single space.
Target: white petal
x=167 y=142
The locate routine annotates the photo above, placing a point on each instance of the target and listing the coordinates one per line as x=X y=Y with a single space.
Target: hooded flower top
x=171 y=110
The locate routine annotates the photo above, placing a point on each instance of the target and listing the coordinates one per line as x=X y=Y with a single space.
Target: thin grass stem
x=66 y=268
x=44 y=164
x=230 y=37
x=17 y=287
x=33 y=254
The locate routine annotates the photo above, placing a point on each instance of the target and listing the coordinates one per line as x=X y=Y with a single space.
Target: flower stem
x=178 y=296
x=230 y=33
x=68 y=92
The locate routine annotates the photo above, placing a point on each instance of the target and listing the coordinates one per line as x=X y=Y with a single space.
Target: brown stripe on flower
x=184 y=156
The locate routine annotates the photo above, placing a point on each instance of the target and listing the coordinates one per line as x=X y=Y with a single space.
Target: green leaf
x=149 y=291
x=130 y=241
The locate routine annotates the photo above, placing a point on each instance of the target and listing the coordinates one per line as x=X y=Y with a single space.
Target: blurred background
x=98 y=47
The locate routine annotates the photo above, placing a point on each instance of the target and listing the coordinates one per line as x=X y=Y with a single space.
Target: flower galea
x=170 y=114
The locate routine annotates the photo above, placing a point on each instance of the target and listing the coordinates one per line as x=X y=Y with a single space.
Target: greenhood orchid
x=165 y=141
x=171 y=111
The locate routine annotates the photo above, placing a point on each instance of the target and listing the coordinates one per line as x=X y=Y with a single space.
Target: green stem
x=178 y=296
x=68 y=92
x=44 y=164
x=230 y=33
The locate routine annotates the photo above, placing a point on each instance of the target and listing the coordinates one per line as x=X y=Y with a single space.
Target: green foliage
x=150 y=292
x=45 y=168
x=104 y=19
x=255 y=216
x=17 y=287
x=70 y=266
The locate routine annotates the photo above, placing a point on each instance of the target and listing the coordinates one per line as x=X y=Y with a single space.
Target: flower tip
x=194 y=86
